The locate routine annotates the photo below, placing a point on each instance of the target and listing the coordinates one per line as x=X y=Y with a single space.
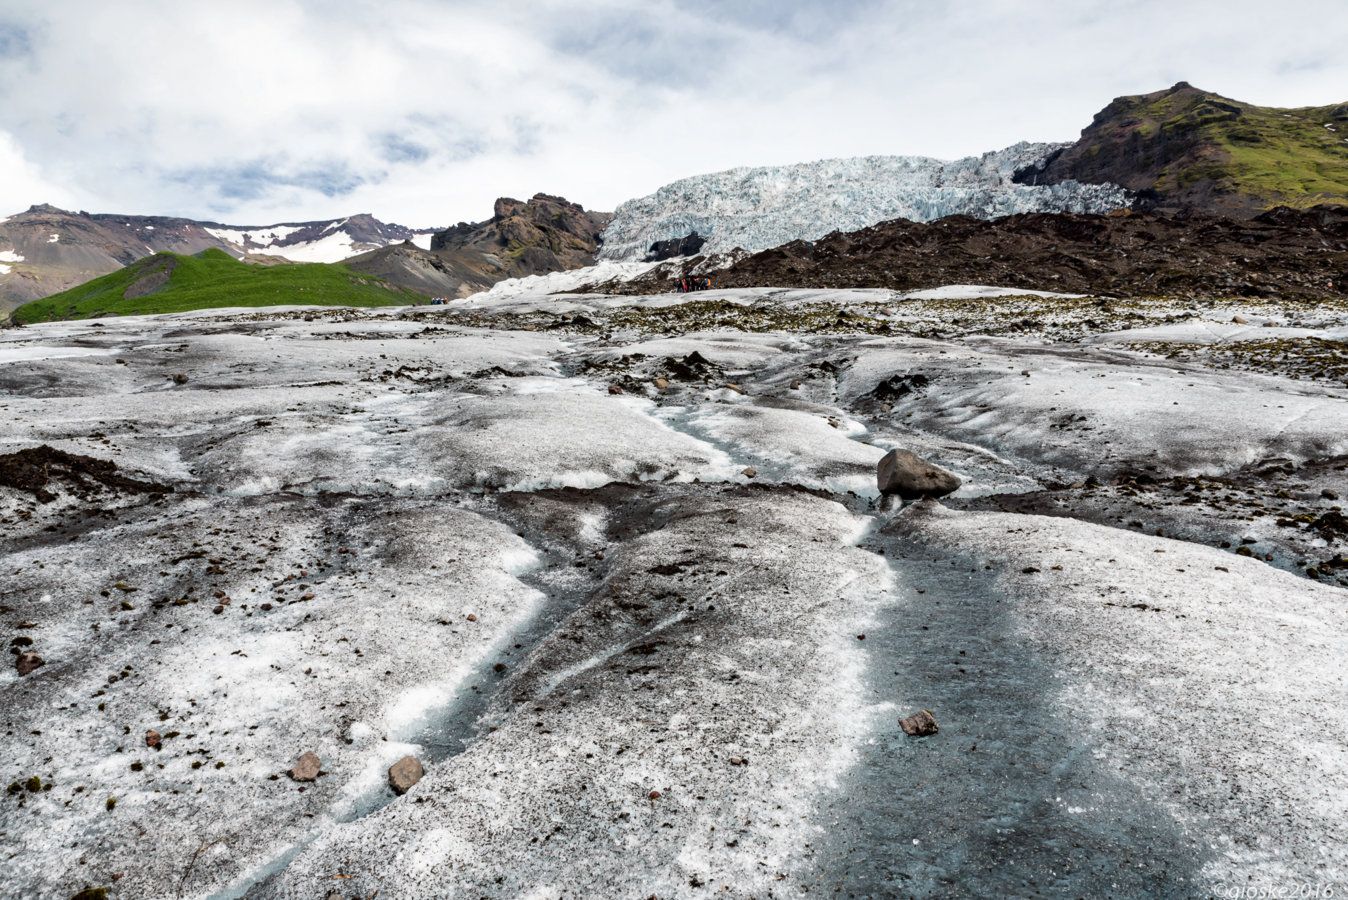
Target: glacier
x=616 y=570
x=757 y=208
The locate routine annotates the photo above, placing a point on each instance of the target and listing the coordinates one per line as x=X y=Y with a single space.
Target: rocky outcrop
x=684 y=246
x=543 y=234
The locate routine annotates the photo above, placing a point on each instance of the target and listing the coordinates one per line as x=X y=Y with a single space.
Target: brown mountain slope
x=543 y=234
x=1284 y=252
x=1186 y=148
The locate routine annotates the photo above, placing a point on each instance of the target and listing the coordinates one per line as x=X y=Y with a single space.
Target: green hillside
x=1273 y=156
x=1189 y=148
x=169 y=282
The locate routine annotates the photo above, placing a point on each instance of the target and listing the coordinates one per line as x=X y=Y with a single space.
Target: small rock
x=152 y=738
x=179 y=378
x=307 y=767
x=1240 y=320
x=1326 y=493
x=661 y=383
x=748 y=471
x=920 y=724
x=28 y=662
x=472 y=618
x=911 y=477
x=795 y=385
x=655 y=795
x=614 y=389
x=404 y=773
x=218 y=594
x=1025 y=372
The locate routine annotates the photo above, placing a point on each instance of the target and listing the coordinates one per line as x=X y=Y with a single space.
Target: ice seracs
x=763 y=207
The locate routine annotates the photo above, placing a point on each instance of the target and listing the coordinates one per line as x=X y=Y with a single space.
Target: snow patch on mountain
x=261 y=237
x=760 y=208
x=331 y=248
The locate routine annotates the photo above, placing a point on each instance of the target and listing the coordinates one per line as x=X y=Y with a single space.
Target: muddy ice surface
x=615 y=570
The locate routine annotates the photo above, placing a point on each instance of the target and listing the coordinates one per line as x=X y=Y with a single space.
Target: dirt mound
x=34 y=469
x=1282 y=253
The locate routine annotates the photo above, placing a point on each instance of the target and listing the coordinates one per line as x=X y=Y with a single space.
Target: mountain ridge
x=45 y=250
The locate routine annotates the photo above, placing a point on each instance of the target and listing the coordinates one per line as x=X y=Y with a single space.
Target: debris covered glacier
x=615 y=570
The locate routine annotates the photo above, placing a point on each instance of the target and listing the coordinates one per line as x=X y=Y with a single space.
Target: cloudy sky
x=423 y=111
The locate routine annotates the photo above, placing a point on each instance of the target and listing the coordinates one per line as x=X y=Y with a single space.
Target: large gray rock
x=404 y=773
x=912 y=477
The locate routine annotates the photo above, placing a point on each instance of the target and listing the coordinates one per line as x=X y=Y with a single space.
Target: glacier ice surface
x=766 y=206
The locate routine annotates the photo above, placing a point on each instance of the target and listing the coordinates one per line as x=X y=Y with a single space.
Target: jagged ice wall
x=767 y=206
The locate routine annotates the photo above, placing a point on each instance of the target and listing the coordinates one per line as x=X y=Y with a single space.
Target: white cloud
x=422 y=112
x=23 y=184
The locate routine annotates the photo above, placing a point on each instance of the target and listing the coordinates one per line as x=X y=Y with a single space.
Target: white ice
x=758 y=208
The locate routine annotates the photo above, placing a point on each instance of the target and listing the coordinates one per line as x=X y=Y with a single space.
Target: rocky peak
x=540 y=207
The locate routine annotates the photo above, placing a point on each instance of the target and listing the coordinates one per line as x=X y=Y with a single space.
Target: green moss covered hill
x=1186 y=148
x=169 y=282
